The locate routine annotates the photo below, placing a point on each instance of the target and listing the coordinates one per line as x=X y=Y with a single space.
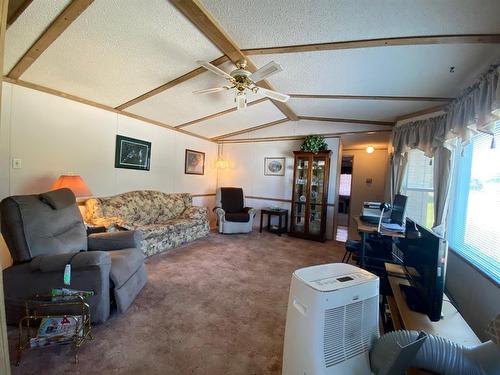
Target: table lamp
x=73 y=182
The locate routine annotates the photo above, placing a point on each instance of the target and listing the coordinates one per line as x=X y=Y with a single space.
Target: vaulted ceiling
x=350 y=66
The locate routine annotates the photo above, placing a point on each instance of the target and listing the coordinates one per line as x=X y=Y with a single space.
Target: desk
x=364 y=229
x=452 y=326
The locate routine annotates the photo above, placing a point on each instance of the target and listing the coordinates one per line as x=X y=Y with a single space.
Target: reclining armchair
x=44 y=233
x=232 y=215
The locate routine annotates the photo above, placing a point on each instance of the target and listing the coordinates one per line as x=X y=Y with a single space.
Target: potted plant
x=314 y=143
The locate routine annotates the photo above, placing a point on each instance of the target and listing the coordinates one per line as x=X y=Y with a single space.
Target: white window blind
x=418 y=186
x=474 y=223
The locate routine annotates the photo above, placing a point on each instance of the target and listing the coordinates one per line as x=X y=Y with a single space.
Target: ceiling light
x=370 y=149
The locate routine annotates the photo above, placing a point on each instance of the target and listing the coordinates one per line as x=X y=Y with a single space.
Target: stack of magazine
x=57 y=330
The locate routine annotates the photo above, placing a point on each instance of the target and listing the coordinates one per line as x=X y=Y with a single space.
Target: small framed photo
x=132 y=153
x=194 y=162
x=274 y=166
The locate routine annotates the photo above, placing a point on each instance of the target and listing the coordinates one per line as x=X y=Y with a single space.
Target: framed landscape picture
x=274 y=166
x=132 y=153
x=194 y=162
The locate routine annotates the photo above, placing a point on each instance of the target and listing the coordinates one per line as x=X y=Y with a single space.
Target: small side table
x=280 y=213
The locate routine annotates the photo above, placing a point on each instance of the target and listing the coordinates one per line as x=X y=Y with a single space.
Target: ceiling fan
x=243 y=80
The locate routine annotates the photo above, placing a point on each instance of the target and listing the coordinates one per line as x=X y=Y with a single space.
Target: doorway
x=344 y=201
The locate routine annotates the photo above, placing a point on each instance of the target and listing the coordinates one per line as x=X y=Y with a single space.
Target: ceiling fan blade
x=241 y=101
x=214 y=69
x=209 y=91
x=273 y=94
x=267 y=70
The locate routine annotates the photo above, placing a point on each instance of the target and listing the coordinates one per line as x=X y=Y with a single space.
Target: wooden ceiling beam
x=248 y=130
x=56 y=28
x=421 y=113
x=374 y=97
x=191 y=74
x=221 y=113
x=381 y=42
x=347 y=120
x=195 y=12
x=16 y=8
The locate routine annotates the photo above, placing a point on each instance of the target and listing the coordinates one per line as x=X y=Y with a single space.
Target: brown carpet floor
x=216 y=306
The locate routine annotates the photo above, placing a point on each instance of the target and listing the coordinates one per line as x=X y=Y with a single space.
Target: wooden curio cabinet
x=310 y=194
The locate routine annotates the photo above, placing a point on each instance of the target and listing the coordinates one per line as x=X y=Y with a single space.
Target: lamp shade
x=73 y=182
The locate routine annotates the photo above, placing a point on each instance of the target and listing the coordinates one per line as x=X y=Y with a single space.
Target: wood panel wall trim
x=373 y=97
x=253 y=128
x=199 y=16
x=187 y=76
x=297 y=137
x=347 y=120
x=16 y=8
x=420 y=113
x=56 y=28
x=203 y=195
x=278 y=200
x=221 y=113
x=78 y=99
x=380 y=42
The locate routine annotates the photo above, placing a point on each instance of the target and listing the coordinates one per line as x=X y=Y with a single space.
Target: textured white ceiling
x=251 y=116
x=179 y=105
x=119 y=49
x=269 y=23
x=306 y=127
x=401 y=70
x=380 y=110
x=28 y=27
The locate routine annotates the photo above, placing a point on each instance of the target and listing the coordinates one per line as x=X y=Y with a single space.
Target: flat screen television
x=424 y=256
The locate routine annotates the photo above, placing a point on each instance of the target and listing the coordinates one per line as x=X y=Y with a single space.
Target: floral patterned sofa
x=165 y=220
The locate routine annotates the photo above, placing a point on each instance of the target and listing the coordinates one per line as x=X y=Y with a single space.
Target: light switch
x=17 y=163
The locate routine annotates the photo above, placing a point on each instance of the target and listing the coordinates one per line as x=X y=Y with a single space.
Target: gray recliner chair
x=44 y=233
x=232 y=215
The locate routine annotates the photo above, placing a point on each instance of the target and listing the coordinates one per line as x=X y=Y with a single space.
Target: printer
x=371 y=213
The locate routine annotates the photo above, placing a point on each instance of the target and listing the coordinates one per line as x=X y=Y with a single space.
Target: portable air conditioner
x=332 y=321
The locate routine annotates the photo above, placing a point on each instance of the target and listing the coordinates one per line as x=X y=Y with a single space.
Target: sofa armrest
x=250 y=210
x=219 y=212
x=195 y=213
x=83 y=259
x=112 y=222
x=114 y=240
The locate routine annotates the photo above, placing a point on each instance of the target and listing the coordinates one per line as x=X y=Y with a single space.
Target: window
x=474 y=225
x=418 y=186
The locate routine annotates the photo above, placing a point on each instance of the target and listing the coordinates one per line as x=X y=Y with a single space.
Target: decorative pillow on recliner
x=58 y=199
x=232 y=199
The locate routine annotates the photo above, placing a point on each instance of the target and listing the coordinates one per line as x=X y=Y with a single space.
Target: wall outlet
x=17 y=163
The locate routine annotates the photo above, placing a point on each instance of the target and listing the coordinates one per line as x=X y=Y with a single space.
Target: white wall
x=54 y=136
x=247 y=170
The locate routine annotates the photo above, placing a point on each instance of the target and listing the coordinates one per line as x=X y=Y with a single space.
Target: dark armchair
x=232 y=215
x=44 y=233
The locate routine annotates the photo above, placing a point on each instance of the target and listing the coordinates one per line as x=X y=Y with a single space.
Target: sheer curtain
x=476 y=110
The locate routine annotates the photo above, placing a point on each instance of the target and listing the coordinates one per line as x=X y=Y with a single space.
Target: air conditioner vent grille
x=349 y=330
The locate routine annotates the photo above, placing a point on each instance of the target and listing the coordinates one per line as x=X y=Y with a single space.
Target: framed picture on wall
x=274 y=166
x=194 y=162
x=132 y=153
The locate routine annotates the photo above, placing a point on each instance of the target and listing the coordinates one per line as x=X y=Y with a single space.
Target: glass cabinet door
x=316 y=199
x=300 y=190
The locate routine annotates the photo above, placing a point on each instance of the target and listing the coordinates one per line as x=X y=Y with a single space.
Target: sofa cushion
x=154 y=230
x=124 y=263
x=232 y=199
x=238 y=217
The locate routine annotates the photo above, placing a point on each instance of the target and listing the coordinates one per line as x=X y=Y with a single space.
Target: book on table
x=57 y=330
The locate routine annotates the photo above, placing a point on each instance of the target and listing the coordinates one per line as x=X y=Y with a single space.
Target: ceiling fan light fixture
x=241 y=100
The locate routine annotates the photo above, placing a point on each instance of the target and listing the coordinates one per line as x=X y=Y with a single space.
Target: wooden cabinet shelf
x=309 y=195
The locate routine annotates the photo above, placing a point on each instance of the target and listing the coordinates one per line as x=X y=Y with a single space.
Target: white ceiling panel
x=270 y=23
x=379 y=110
x=306 y=127
x=401 y=70
x=119 y=49
x=255 y=115
x=21 y=35
x=179 y=105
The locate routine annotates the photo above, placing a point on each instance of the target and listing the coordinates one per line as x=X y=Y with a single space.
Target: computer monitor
x=398 y=209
